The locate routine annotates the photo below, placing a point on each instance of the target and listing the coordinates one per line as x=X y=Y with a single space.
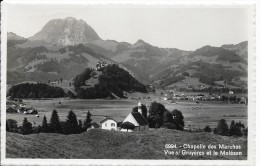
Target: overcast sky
x=183 y=28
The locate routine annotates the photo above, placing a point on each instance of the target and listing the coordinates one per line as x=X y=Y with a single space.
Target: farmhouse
x=136 y=118
x=108 y=124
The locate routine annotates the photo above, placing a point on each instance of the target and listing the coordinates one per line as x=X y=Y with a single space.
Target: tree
x=232 y=128
x=207 y=129
x=244 y=131
x=128 y=125
x=144 y=110
x=185 y=74
x=55 y=125
x=178 y=118
x=88 y=120
x=26 y=127
x=135 y=109
x=72 y=123
x=44 y=127
x=236 y=128
x=222 y=128
x=80 y=126
x=37 y=129
x=167 y=117
x=156 y=111
x=11 y=125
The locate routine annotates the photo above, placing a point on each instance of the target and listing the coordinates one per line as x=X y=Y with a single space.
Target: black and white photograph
x=129 y=82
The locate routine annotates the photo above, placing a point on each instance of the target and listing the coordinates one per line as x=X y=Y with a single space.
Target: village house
x=108 y=124
x=136 y=118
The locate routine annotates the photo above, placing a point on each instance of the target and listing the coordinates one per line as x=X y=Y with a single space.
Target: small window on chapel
x=112 y=124
x=105 y=125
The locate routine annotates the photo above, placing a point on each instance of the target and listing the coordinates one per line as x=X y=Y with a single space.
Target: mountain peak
x=70 y=19
x=139 y=43
x=67 y=31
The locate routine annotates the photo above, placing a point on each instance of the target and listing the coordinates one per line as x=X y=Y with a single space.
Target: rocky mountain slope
x=68 y=31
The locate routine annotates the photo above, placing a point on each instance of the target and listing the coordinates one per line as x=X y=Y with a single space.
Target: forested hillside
x=37 y=90
x=112 y=80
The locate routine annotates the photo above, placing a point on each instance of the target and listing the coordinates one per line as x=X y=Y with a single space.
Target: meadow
x=196 y=116
x=104 y=144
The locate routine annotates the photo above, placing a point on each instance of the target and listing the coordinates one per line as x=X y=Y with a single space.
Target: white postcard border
x=251 y=89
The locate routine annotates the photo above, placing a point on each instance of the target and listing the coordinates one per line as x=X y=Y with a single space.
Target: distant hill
x=14 y=39
x=109 y=81
x=65 y=62
x=103 y=144
x=208 y=64
x=13 y=36
x=145 y=60
x=240 y=49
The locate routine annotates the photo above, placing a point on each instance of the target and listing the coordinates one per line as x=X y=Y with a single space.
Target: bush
x=207 y=129
x=11 y=110
x=11 y=125
x=170 y=126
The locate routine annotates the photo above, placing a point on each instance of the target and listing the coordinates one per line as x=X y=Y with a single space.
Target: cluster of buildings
x=100 y=65
x=171 y=96
x=136 y=118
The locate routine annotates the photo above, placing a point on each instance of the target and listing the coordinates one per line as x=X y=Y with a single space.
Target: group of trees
x=159 y=116
x=70 y=126
x=112 y=80
x=235 y=129
x=38 y=90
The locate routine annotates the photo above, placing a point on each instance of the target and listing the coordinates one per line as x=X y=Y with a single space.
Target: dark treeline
x=237 y=129
x=112 y=80
x=159 y=116
x=70 y=126
x=38 y=90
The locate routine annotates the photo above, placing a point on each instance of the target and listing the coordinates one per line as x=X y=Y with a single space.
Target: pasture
x=104 y=144
x=196 y=116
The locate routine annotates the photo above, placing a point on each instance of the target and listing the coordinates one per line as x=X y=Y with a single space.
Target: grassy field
x=103 y=144
x=195 y=115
